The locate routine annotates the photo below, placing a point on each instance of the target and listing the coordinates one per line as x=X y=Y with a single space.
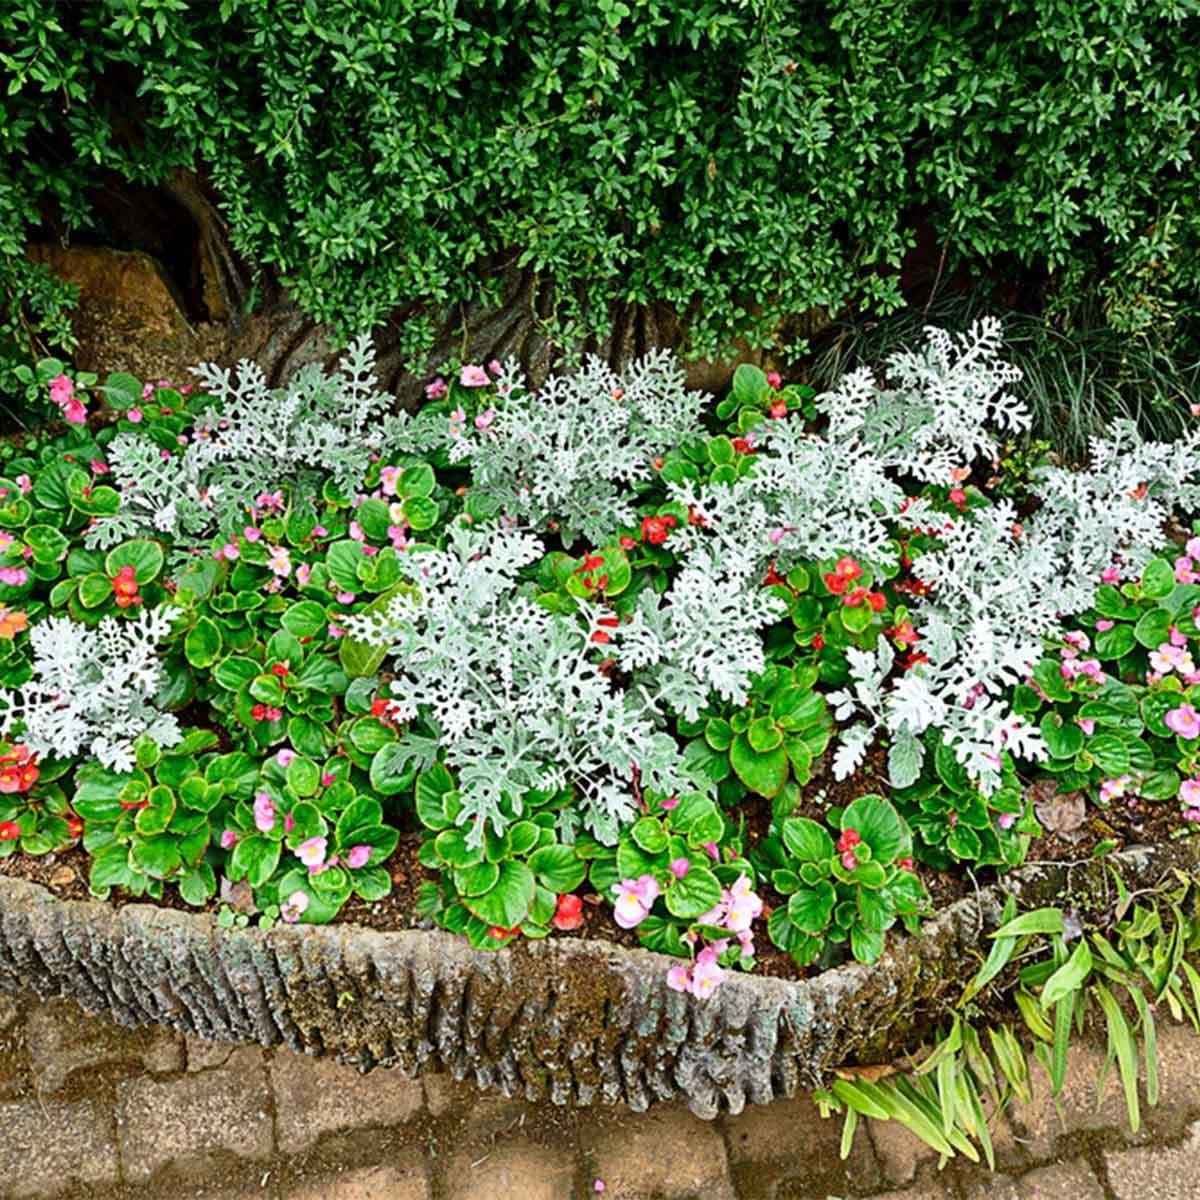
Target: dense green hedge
x=742 y=161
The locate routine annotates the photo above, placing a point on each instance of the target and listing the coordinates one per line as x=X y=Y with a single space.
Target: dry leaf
x=866 y=1074
x=62 y=877
x=1063 y=815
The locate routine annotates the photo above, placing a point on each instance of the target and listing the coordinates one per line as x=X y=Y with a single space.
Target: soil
x=65 y=873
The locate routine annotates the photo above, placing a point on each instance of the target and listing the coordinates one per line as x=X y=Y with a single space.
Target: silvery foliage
x=513 y=692
x=93 y=689
x=576 y=450
x=251 y=437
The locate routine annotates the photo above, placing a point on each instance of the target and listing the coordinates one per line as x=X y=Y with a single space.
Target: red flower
x=9 y=831
x=774 y=380
x=601 y=636
x=845 y=572
x=501 y=934
x=694 y=518
x=904 y=634
x=837 y=584
x=281 y=670
x=590 y=563
x=742 y=446
x=915 y=657
x=773 y=576
x=877 y=601
x=627 y=543
x=656 y=530
x=379 y=706
x=850 y=861
x=569 y=913
x=906 y=864
x=818 y=642
x=958 y=498
x=74 y=825
x=856 y=597
x=18 y=770
x=777 y=410
x=849 y=839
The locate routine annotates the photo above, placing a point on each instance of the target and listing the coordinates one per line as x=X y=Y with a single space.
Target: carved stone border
x=573 y=1022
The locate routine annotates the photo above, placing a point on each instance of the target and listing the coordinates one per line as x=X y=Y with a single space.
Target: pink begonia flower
x=473 y=377
x=164 y=454
x=669 y=803
x=1161 y=663
x=387 y=480
x=294 y=907
x=1077 y=638
x=1184 y=721
x=270 y=501
x=706 y=974
x=742 y=906
x=356 y=532
x=484 y=420
x=1189 y=792
x=303 y=571
x=336 y=631
x=229 y=550
x=147 y=391
x=312 y=852
x=327 y=778
x=289 y=823
x=25 y=484
x=1191 y=814
x=598 y=1186
x=1112 y=789
x=398 y=534
x=358 y=856
x=1006 y=820
x=1102 y=626
x=320 y=531
x=495 y=367
x=252 y=533
x=62 y=392
x=458 y=422
x=1193 y=548
x=1183 y=571
x=1110 y=574
x=370 y=550
x=98 y=468
x=774 y=380
x=679 y=867
x=229 y=839
x=14 y=576
x=135 y=415
x=1176 y=638
x=437 y=389
x=715 y=915
x=264 y=813
x=634 y=900
x=679 y=979
x=280 y=562
x=285 y=757
x=1087 y=724
x=346 y=597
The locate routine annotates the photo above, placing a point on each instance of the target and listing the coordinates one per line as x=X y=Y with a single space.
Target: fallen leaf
x=1063 y=814
x=62 y=877
x=239 y=896
x=867 y=1074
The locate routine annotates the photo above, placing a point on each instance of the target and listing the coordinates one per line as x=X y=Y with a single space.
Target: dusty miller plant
x=93 y=689
x=512 y=691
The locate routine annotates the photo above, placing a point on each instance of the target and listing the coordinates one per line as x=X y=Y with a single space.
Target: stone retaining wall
x=570 y=1021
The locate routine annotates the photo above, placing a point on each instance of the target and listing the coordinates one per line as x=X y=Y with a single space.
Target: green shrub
x=742 y=163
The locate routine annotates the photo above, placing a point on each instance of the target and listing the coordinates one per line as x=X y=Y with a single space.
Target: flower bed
x=608 y=643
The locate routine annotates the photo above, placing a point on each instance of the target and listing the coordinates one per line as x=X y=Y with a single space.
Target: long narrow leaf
x=849 y=1125
x=1149 y=1044
x=1122 y=1045
x=1064 y=1013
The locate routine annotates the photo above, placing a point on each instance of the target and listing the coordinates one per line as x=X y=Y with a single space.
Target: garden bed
x=571 y=1021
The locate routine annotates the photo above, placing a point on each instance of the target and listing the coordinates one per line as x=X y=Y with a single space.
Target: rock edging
x=573 y=1022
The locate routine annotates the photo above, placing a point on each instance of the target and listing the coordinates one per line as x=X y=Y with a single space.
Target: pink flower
x=358 y=857
x=14 y=576
x=1077 y=638
x=356 y=532
x=1193 y=548
x=670 y=803
x=25 y=484
x=713 y=852
x=1177 y=639
x=285 y=758
x=436 y=390
x=294 y=907
x=774 y=380
x=484 y=420
x=135 y=415
x=229 y=550
x=495 y=367
x=1184 y=721
x=1101 y=626
x=850 y=860
x=1183 y=571
x=280 y=561
x=706 y=974
x=312 y=852
x=634 y=900
x=1006 y=820
x=473 y=377
x=679 y=979
x=264 y=813
x=1110 y=574
x=270 y=501
x=229 y=839
x=303 y=571
x=289 y=823
x=679 y=867
x=327 y=778
x=1189 y=792
x=252 y=533
x=62 y=392
x=387 y=480
x=1087 y=724
x=1112 y=789
x=345 y=597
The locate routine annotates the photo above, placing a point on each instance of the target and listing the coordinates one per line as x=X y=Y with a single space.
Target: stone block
x=391 y=1181
x=316 y=1096
x=51 y=1148
x=1073 y=1180
x=516 y=1169
x=665 y=1152
x=183 y=1125
x=1157 y=1172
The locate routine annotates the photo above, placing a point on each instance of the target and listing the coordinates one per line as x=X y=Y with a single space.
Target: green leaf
x=1070 y=977
x=558 y=868
x=48 y=544
x=1153 y=628
x=421 y=513
x=879 y=825
x=761 y=773
x=810 y=909
x=304 y=619
x=650 y=835
x=807 y=841
x=144 y=556
x=1063 y=739
x=507 y=903
x=694 y=894
x=764 y=735
x=1158 y=579
x=1040 y=920
x=202 y=646
x=1115 y=642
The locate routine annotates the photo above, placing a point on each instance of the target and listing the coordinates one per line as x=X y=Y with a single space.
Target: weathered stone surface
x=788 y=1140
x=443 y=1092
x=668 y=1152
x=50 y=1148
x=203 y=1055
x=1073 y=1180
x=517 y=1169
x=316 y=1096
x=61 y=1041
x=900 y=1153
x=1157 y=1172
x=994 y=1187
x=183 y=1124
x=566 y=1021
x=394 y=1181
